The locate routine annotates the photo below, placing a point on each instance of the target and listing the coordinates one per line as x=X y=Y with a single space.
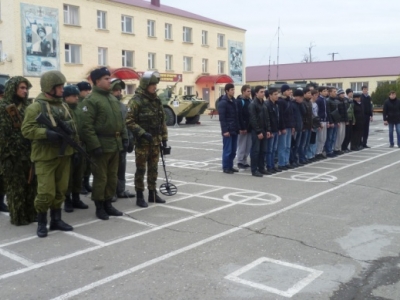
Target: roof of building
x=368 y=67
x=173 y=11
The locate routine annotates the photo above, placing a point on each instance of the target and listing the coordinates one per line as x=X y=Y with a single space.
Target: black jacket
x=259 y=117
x=359 y=115
x=334 y=115
x=391 y=111
x=366 y=101
x=342 y=110
x=273 y=111
x=228 y=115
x=298 y=113
x=243 y=112
x=308 y=117
x=286 y=116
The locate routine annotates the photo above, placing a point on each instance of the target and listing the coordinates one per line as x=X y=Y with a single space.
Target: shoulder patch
x=129 y=109
x=85 y=109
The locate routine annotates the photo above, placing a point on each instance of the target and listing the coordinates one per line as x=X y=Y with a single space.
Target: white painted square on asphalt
x=297 y=280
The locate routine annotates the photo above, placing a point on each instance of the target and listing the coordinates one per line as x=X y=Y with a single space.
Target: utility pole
x=309 y=52
x=277 y=58
x=333 y=55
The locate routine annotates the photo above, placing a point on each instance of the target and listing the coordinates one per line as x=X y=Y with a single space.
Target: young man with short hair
x=307 y=126
x=368 y=112
x=343 y=122
x=331 y=134
x=358 y=123
x=229 y=121
x=244 y=138
x=299 y=112
x=272 y=143
x=348 y=102
x=391 y=117
x=323 y=114
x=316 y=126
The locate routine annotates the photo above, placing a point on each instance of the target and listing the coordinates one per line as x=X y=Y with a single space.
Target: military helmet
x=117 y=84
x=51 y=79
x=148 y=78
x=70 y=90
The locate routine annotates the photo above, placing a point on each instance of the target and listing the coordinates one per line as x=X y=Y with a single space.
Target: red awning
x=124 y=74
x=216 y=79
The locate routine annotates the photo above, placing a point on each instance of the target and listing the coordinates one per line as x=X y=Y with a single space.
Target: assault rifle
x=64 y=132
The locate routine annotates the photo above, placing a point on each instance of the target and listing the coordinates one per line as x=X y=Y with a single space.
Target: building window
x=187 y=34
x=102 y=56
x=151 y=28
x=127 y=58
x=101 y=19
x=187 y=64
x=1 y=51
x=130 y=89
x=127 y=24
x=338 y=85
x=205 y=65
x=221 y=67
x=71 y=14
x=168 y=31
x=189 y=90
x=221 y=40
x=72 y=54
x=204 y=37
x=168 y=62
x=151 y=64
x=221 y=91
x=357 y=86
x=379 y=83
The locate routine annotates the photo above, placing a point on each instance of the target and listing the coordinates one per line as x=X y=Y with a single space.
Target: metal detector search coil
x=167 y=188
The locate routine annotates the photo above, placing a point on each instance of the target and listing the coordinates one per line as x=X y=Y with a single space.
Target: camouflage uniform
x=146 y=115
x=15 y=156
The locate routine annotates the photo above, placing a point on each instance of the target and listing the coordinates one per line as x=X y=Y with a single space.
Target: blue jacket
x=323 y=109
x=286 y=117
x=228 y=115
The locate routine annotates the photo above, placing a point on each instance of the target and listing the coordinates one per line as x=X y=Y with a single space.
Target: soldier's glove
x=125 y=144
x=65 y=127
x=76 y=159
x=53 y=136
x=98 y=151
x=147 y=136
x=164 y=144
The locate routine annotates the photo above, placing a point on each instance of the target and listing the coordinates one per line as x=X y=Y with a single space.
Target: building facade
x=76 y=36
x=342 y=74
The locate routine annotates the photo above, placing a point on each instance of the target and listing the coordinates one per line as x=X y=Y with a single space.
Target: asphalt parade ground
x=329 y=230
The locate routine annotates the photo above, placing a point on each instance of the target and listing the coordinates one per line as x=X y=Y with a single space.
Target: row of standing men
x=38 y=173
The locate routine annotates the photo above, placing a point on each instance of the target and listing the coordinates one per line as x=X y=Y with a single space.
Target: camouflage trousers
x=75 y=177
x=87 y=168
x=20 y=194
x=53 y=177
x=105 y=176
x=146 y=155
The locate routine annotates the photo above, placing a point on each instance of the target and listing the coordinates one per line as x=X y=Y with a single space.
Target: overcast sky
x=353 y=28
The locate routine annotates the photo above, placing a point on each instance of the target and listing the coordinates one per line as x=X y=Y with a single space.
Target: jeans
x=304 y=143
x=330 y=139
x=294 y=158
x=229 y=151
x=272 y=146
x=284 y=143
x=258 y=150
x=391 y=129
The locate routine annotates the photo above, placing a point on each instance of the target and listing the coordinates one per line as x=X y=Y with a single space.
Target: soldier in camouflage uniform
x=3 y=206
x=146 y=120
x=15 y=153
x=84 y=89
x=52 y=170
x=78 y=163
x=105 y=136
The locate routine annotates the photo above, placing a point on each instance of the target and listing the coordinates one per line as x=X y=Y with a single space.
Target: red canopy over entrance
x=215 y=79
x=124 y=73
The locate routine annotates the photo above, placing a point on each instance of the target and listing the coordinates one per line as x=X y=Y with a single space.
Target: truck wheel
x=193 y=120
x=169 y=116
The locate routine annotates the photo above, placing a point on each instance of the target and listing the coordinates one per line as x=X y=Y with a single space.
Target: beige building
x=343 y=74
x=76 y=36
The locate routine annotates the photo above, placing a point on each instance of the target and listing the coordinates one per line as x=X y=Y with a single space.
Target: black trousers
x=121 y=173
x=356 y=136
x=366 y=130
x=347 y=137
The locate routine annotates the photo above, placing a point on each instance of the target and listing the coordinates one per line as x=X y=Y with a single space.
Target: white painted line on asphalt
x=84 y=237
x=194 y=148
x=151 y=225
x=214 y=237
x=17 y=258
x=322 y=168
x=182 y=209
x=314 y=274
x=331 y=162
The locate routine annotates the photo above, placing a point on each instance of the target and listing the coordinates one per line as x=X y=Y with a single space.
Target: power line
x=333 y=55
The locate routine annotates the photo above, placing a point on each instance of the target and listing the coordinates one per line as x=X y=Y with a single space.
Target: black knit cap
x=356 y=95
x=98 y=73
x=84 y=86
x=298 y=93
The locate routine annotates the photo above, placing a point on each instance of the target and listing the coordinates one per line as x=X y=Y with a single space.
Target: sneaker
x=289 y=167
x=265 y=172
x=277 y=170
x=241 y=166
x=272 y=171
x=247 y=166
x=228 y=171
x=257 y=174
x=283 y=168
x=391 y=146
x=365 y=146
x=331 y=155
x=234 y=170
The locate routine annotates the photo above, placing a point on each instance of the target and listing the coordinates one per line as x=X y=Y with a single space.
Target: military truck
x=294 y=86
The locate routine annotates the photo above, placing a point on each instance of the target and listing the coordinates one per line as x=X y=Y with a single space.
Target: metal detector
x=167 y=188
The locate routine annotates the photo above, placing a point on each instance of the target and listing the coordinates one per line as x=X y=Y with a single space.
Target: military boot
x=56 y=223
x=111 y=210
x=3 y=206
x=100 y=212
x=77 y=202
x=68 y=207
x=83 y=190
x=42 y=223
x=153 y=197
x=86 y=184
x=140 y=199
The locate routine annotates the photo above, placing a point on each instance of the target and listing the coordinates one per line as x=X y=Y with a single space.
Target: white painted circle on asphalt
x=252 y=198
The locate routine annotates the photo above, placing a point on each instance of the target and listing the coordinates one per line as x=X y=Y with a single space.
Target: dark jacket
x=273 y=111
x=359 y=115
x=308 y=117
x=333 y=105
x=243 y=112
x=323 y=109
x=298 y=113
x=259 y=117
x=228 y=115
x=366 y=101
x=286 y=116
x=342 y=110
x=391 y=111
